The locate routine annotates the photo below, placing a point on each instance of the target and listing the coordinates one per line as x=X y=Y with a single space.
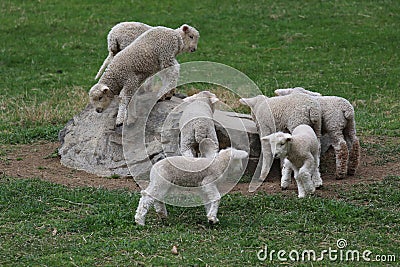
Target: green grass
x=51 y=51
x=47 y=224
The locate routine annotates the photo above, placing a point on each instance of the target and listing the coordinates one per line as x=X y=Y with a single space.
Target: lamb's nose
x=193 y=50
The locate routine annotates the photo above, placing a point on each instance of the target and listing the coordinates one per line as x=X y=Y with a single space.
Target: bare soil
x=40 y=160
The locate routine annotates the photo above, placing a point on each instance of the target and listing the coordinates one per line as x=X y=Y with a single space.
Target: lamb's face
x=236 y=159
x=279 y=143
x=190 y=38
x=100 y=97
x=206 y=96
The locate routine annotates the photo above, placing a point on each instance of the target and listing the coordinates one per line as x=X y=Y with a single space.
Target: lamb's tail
x=104 y=66
x=200 y=134
x=349 y=113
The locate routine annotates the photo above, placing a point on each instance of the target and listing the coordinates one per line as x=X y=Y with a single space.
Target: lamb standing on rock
x=153 y=51
x=339 y=127
x=119 y=37
x=189 y=172
x=300 y=151
x=287 y=112
x=197 y=124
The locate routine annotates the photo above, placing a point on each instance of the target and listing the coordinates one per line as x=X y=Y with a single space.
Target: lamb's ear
x=308 y=92
x=265 y=138
x=281 y=92
x=248 y=101
x=105 y=90
x=239 y=154
x=188 y=99
x=185 y=28
x=214 y=100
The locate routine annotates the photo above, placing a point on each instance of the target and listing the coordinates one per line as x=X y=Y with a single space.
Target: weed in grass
x=52 y=155
x=114 y=176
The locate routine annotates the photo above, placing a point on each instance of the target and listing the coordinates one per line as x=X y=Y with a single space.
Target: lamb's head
x=252 y=102
x=205 y=96
x=288 y=91
x=279 y=143
x=208 y=148
x=234 y=158
x=190 y=38
x=100 y=97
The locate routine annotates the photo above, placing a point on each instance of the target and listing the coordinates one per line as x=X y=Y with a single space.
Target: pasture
x=50 y=54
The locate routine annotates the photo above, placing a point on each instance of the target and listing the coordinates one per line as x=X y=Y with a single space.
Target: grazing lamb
x=339 y=127
x=288 y=112
x=154 y=50
x=189 y=172
x=197 y=124
x=119 y=37
x=300 y=151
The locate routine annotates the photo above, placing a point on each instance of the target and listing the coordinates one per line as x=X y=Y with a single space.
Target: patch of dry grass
x=229 y=101
x=33 y=109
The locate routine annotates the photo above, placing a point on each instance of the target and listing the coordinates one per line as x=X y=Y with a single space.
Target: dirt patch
x=40 y=160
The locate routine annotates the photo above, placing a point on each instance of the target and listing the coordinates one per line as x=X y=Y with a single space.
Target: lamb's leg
x=145 y=202
x=341 y=153
x=212 y=214
x=211 y=198
x=286 y=174
x=354 y=157
x=300 y=187
x=160 y=209
x=124 y=97
x=316 y=175
x=169 y=75
x=207 y=207
x=267 y=160
x=304 y=178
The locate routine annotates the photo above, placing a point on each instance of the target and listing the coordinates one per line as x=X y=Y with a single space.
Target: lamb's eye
x=100 y=98
x=191 y=36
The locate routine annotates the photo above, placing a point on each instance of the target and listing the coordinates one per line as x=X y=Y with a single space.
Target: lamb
x=190 y=172
x=338 y=127
x=119 y=37
x=300 y=151
x=196 y=124
x=154 y=50
x=287 y=112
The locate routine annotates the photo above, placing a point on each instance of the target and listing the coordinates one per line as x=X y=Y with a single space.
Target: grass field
x=50 y=52
x=49 y=225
